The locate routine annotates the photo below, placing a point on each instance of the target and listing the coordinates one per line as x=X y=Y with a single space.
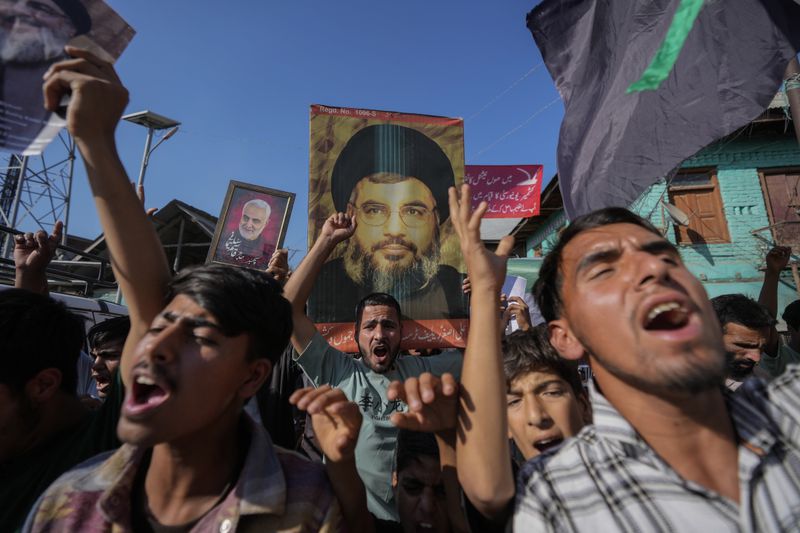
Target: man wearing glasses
x=393 y=181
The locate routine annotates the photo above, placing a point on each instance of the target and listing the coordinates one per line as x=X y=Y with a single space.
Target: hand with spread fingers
x=338 y=227
x=335 y=419
x=432 y=403
x=278 y=266
x=97 y=96
x=34 y=251
x=32 y=254
x=486 y=269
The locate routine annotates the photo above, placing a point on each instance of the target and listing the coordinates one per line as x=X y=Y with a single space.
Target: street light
x=151 y=121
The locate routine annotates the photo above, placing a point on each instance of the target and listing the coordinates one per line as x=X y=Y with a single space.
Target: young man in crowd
x=748 y=333
x=670 y=449
x=545 y=402
x=44 y=427
x=378 y=331
x=773 y=364
x=106 y=340
x=191 y=459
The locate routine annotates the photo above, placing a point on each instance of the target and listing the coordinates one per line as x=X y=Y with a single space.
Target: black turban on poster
x=77 y=13
x=397 y=150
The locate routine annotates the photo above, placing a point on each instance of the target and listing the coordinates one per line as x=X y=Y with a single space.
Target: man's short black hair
x=242 y=301
x=393 y=149
x=376 y=298
x=112 y=330
x=792 y=315
x=739 y=309
x=412 y=444
x=547 y=289
x=531 y=351
x=37 y=332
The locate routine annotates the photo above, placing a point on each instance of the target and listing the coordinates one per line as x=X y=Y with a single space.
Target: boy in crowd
x=545 y=402
x=200 y=345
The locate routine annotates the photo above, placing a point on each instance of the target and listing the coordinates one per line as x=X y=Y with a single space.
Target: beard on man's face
x=43 y=44
x=395 y=279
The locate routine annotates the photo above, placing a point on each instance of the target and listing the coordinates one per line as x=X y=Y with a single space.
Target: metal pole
x=69 y=189
x=178 y=250
x=9 y=244
x=145 y=156
x=792 y=77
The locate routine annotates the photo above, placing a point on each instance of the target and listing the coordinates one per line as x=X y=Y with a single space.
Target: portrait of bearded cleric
x=251 y=227
x=33 y=34
x=393 y=179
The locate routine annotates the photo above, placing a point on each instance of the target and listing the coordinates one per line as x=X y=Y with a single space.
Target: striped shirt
x=608 y=479
x=277 y=490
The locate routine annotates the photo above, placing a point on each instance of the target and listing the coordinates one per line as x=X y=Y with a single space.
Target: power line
x=503 y=92
x=517 y=128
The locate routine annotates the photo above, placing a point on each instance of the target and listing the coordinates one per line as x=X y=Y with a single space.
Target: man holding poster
x=393 y=180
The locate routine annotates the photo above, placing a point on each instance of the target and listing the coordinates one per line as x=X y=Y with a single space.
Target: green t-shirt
x=376 y=442
x=775 y=366
x=23 y=479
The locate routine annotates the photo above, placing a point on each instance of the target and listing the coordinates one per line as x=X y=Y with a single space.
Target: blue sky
x=241 y=75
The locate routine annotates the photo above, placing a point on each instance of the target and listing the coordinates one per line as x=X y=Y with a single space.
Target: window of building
x=696 y=193
x=782 y=196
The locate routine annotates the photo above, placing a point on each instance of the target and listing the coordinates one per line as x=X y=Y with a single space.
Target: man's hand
x=486 y=269
x=778 y=258
x=518 y=309
x=339 y=227
x=336 y=421
x=97 y=95
x=140 y=193
x=278 y=266
x=466 y=286
x=432 y=403
x=34 y=251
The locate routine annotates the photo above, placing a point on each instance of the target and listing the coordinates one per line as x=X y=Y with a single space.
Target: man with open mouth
x=106 y=340
x=199 y=347
x=378 y=331
x=670 y=448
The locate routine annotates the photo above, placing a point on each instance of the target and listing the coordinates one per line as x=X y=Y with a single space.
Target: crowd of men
x=218 y=406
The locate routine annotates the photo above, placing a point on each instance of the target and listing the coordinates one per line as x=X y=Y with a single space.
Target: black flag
x=647 y=84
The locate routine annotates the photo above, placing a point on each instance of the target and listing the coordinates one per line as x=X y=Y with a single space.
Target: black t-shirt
x=23 y=479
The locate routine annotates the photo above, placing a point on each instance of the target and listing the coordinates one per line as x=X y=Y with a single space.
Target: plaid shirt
x=608 y=479
x=277 y=490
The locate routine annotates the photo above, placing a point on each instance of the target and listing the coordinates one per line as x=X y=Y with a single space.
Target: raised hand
x=518 y=309
x=34 y=251
x=339 y=227
x=335 y=419
x=98 y=98
x=432 y=403
x=278 y=266
x=778 y=258
x=140 y=193
x=486 y=269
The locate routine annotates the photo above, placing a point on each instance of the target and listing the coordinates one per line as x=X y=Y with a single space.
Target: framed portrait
x=391 y=171
x=251 y=225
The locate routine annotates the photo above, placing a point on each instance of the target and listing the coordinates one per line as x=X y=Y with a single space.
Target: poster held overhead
x=511 y=191
x=391 y=171
x=251 y=225
x=32 y=37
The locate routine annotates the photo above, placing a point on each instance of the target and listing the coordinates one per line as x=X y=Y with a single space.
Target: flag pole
x=792 y=78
